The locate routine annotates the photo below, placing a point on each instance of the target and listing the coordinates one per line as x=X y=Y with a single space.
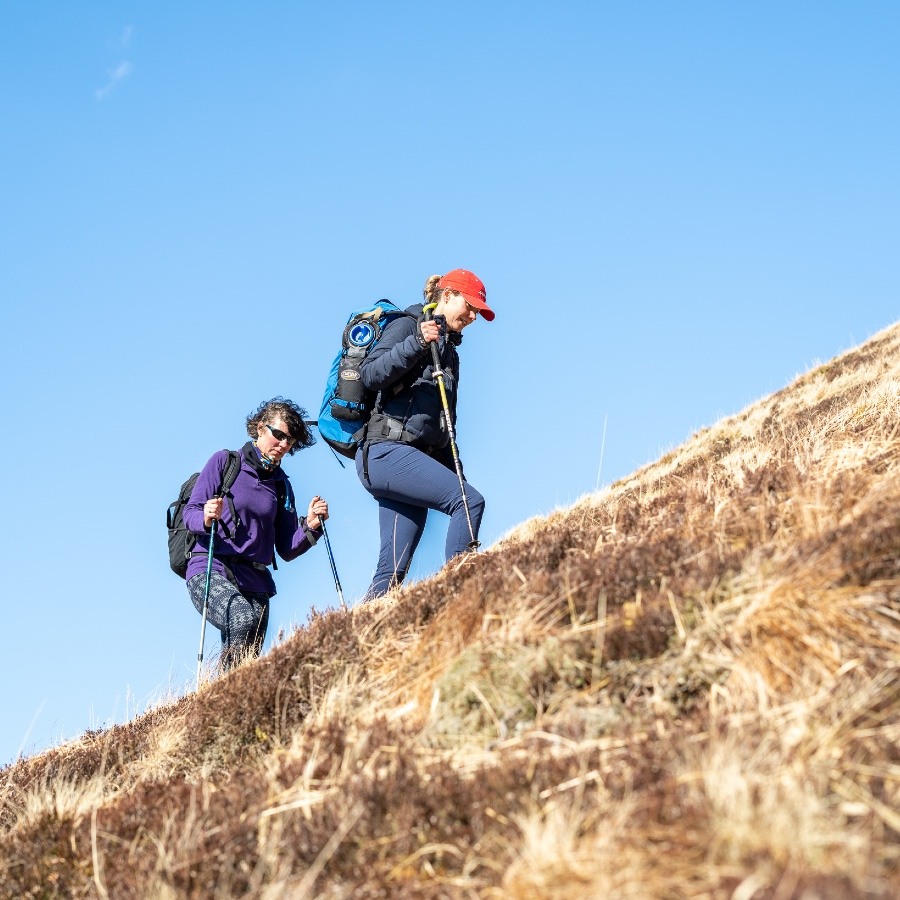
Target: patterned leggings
x=241 y=617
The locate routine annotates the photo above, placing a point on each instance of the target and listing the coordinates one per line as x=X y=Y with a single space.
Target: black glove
x=422 y=342
x=441 y=323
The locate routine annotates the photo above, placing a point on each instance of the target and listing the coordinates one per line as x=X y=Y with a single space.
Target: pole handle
x=437 y=371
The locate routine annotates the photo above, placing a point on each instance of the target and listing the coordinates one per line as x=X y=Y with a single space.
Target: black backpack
x=181 y=541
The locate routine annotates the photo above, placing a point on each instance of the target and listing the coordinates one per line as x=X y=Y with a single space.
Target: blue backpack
x=347 y=403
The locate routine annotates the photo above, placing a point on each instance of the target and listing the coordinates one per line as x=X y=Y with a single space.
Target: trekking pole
x=437 y=373
x=337 y=581
x=209 y=559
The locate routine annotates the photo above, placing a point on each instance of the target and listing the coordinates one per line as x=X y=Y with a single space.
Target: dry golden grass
x=685 y=685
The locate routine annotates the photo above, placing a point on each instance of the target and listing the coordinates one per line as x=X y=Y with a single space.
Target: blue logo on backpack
x=361 y=335
x=346 y=404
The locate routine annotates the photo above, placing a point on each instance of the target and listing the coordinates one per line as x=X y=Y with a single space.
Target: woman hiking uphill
x=256 y=518
x=405 y=461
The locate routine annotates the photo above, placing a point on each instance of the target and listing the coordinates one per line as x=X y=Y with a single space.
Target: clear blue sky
x=676 y=208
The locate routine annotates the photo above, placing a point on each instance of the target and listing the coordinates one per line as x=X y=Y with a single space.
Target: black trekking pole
x=337 y=581
x=437 y=373
x=209 y=559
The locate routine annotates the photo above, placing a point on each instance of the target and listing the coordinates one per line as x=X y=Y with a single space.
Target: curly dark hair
x=294 y=417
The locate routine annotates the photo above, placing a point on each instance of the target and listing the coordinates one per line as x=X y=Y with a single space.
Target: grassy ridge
x=686 y=685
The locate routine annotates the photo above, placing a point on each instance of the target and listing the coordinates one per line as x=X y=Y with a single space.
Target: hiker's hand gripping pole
x=437 y=373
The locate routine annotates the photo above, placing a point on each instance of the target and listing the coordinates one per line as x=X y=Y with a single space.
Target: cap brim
x=484 y=310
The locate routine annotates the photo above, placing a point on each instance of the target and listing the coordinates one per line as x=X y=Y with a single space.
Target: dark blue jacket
x=400 y=368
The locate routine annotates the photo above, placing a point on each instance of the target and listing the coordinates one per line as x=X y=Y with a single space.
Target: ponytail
x=431 y=291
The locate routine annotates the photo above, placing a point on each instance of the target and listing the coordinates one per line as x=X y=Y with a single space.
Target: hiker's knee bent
x=474 y=500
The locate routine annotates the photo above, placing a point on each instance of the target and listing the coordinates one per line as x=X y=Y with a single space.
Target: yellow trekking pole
x=437 y=373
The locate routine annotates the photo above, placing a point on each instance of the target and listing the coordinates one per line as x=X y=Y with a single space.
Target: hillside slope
x=686 y=685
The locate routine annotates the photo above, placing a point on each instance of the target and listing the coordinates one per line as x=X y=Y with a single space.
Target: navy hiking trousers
x=407 y=483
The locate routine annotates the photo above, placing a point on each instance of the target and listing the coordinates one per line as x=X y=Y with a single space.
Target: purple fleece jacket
x=264 y=525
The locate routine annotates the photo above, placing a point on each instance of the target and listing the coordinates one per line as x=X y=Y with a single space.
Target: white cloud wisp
x=116 y=76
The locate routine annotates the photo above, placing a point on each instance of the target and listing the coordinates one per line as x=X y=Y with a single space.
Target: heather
x=684 y=685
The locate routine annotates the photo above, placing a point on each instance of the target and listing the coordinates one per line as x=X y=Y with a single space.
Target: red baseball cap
x=471 y=287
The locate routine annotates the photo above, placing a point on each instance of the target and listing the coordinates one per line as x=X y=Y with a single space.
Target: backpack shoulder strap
x=284 y=496
x=285 y=493
x=229 y=476
x=230 y=473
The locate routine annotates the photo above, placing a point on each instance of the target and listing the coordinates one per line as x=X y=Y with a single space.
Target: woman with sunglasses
x=256 y=518
x=405 y=461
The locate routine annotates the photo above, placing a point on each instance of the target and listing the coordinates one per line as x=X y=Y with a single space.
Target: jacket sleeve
x=293 y=537
x=207 y=484
x=455 y=389
x=398 y=352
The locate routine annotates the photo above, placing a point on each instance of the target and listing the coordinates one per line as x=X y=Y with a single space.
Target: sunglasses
x=469 y=307
x=279 y=435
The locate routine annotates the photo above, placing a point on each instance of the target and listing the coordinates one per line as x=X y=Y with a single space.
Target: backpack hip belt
x=239 y=560
x=386 y=428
